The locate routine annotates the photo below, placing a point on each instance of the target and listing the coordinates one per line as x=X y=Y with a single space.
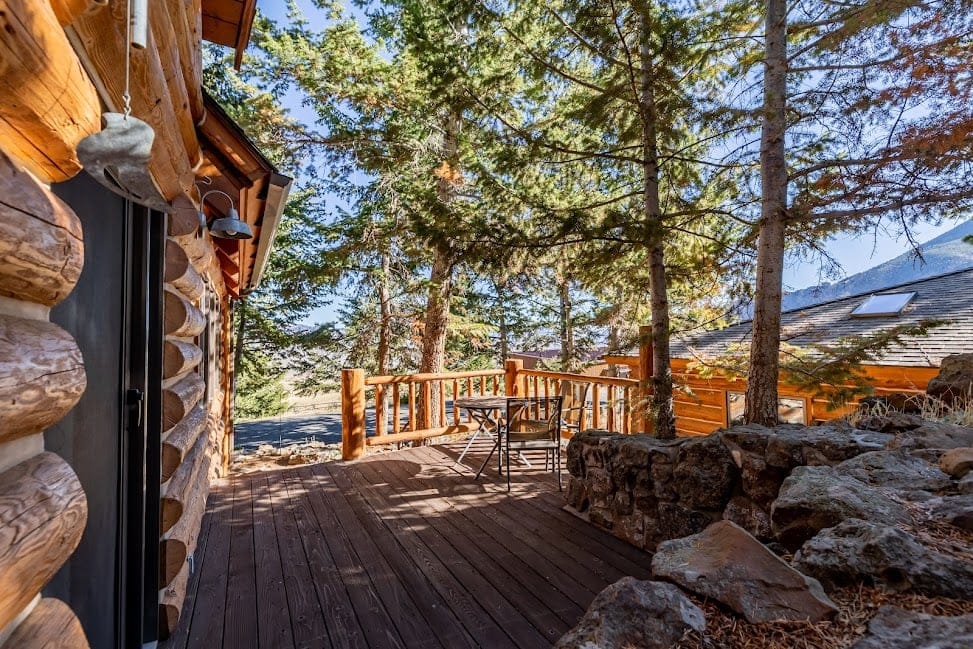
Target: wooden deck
x=402 y=549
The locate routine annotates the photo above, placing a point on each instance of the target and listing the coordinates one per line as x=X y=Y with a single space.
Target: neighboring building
x=116 y=365
x=707 y=404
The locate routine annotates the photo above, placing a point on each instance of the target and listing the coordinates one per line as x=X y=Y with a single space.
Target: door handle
x=135 y=400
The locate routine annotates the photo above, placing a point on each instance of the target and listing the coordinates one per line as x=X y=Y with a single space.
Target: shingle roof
x=945 y=297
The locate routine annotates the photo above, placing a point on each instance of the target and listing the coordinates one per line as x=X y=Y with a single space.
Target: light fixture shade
x=231 y=227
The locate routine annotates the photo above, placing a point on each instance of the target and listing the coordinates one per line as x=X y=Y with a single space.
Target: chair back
x=574 y=397
x=534 y=418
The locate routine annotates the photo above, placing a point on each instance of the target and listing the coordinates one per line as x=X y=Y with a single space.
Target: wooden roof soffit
x=259 y=192
x=228 y=23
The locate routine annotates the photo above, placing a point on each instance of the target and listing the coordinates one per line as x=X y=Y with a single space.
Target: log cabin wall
x=63 y=65
x=701 y=406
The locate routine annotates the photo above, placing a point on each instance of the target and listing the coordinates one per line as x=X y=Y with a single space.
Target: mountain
x=944 y=254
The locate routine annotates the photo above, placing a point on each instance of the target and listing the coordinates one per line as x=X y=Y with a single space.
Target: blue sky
x=854 y=253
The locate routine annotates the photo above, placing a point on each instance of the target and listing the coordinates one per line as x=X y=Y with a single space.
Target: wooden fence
x=613 y=402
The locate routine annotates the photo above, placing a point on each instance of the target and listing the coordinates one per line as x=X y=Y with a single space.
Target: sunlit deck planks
x=402 y=549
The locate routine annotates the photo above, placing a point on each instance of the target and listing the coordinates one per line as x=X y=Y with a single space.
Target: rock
x=895 y=470
x=815 y=497
x=891 y=423
x=792 y=445
x=957 y=462
x=760 y=481
x=633 y=613
x=955 y=510
x=704 y=473
x=965 y=485
x=675 y=521
x=861 y=551
x=727 y=564
x=750 y=516
x=897 y=628
x=935 y=435
x=954 y=383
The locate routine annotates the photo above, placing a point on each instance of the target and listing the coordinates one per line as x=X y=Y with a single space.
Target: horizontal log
x=178 y=491
x=183 y=218
x=180 y=440
x=179 y=357
x=182 y=319
x=41 y=376
x=68 y=10
x=184 y=14
x=578 y=378
x=41 y=244
x=180 y=398
x=180 y=541
x=47 y=102
x=51 y=625
x=418 y=435
x=160 y=22
x=42 y=516
x=429 y=376
x=171 y=602
x=180 y=273
x=199 y=249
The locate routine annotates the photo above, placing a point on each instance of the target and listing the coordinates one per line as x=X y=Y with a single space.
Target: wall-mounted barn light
x=229 y=226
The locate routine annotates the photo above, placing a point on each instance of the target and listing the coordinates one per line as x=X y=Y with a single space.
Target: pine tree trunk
x=762 y=375
x=501 y=288
x=382 y=353
x=238 y=339
x=665 y=427
x=441 y=276
x=566 y=317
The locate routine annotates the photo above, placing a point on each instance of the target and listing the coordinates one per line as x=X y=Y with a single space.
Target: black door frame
x=140 y=476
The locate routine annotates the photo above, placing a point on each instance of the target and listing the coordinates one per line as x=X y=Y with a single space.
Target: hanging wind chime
x=118 y=155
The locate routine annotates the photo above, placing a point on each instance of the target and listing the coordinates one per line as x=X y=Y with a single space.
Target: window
x=886 y=304
x=790 y=410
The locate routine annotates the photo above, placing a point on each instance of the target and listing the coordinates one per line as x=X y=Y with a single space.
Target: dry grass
x=725 y=630
x=929 y=408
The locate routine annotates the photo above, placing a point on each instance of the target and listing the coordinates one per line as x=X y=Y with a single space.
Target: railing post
x=352 y=413
x=512 y=368
x=643 y=412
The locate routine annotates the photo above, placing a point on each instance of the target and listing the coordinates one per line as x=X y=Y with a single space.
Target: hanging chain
x=126 y=96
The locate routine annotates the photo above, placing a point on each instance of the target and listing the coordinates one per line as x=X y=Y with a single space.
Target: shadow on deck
x=401 y=549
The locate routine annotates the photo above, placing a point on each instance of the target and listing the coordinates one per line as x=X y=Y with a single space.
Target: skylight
x=886 y=304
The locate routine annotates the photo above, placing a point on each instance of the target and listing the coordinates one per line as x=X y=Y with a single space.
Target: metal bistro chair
x=533 y=423
x=574 y=406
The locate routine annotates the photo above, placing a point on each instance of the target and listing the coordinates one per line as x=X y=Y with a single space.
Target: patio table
x=482 y=410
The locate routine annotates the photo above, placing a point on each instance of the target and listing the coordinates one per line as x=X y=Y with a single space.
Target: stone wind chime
x=118 y=155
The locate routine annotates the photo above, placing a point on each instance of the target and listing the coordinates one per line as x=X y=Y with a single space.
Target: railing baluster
x=380 y=410
x=455 y=407
x=412 y=406
x=595 y=406
x=611 y=408
x=626 y=418
x=396 y=417
x=442 y=403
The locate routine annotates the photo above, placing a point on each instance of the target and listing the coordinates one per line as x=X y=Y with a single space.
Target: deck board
x=401 y=549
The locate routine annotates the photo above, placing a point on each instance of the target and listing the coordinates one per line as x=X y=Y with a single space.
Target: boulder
x=955 y=510
x=704 y=473
x=935 y=435
x=729 y=565
x=750 y=516
x=965 y=485
x=891 y=423
x=791 y=445
x=895 y=470
x=861 y=551
x=815 y=497
x=954 y=383
x=896 y=628
x=633 y=613
x=957 y=462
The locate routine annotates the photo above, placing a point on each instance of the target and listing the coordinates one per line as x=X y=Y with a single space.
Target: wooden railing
x=610 y=403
